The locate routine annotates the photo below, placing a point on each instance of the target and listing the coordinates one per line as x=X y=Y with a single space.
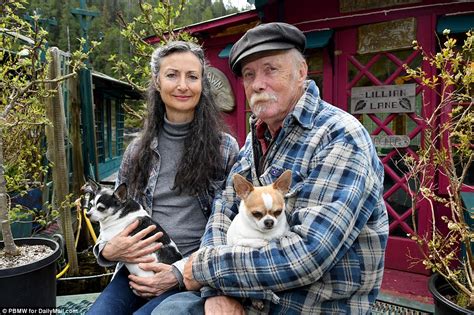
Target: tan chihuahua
x=261 y=216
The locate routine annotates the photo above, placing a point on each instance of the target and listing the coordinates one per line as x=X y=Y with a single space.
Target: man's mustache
x=262 y=97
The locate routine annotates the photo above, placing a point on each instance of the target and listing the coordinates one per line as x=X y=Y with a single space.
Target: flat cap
x=264 y=37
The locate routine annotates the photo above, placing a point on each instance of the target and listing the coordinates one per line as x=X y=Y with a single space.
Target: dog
x=261 y=216
x=114 y=211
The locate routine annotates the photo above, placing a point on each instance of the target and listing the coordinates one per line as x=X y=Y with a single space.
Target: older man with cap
x=331 y=261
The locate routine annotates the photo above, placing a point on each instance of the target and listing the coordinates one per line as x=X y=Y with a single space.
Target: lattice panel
x=386 y=68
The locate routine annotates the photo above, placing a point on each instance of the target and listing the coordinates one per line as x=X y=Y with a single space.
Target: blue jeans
x=118 y=299
x=182 y=303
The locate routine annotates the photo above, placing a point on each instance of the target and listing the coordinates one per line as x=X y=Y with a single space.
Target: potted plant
x=25 y=85
x=438 y=174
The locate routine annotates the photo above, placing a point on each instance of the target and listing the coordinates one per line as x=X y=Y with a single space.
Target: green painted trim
x=88 y=149
x=226 y=51
x=258 y=3
x=468 y=198
x=109 y=167
x=456 y=24
x=318 y=39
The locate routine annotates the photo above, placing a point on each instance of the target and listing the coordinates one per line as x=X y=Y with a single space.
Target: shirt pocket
x=297 y=183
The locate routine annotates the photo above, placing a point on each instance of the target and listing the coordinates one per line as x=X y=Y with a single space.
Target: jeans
x=118 y=299
x=182 y=303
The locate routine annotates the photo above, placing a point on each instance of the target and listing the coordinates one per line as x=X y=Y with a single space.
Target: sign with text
x=346 y=6
x=383 y=99
x=393 y=141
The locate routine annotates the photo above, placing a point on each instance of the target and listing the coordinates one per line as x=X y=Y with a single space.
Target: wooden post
x=77 y=161
x=56 y=148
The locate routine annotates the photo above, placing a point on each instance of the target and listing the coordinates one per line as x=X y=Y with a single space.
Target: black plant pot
x=439 y=288
x=32 y=285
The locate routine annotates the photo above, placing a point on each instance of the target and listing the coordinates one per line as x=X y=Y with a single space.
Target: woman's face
x=180 y=85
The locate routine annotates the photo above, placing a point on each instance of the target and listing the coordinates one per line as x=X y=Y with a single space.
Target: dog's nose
x=268 y=223
x=88 y=214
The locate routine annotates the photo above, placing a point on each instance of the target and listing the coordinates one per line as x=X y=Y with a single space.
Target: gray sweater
x=179 y=214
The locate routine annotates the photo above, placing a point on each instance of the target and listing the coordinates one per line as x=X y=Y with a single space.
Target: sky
x=238 y=3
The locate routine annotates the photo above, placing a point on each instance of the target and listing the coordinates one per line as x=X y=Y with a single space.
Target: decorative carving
x=386 y=36
x=221 y=89
x=346 y=6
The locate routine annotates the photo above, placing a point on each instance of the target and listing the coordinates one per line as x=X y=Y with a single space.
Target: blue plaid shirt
x=332 y=260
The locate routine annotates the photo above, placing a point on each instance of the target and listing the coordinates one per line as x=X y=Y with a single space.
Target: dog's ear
x=242 y=186
x=283 y=182
x=121 y=192
x=90 y=187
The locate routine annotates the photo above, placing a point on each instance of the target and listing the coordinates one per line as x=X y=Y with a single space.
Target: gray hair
x=175 y=47
x=203 y=143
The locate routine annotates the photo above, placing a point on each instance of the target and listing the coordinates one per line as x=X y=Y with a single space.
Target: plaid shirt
x=332 y=260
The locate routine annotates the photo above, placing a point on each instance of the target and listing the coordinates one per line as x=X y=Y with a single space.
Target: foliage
x=22 y=115
x=120 y=27
x=23 y=74
x=24 y=88
x=448 y=152
x=153 y=21
x=156 y=21
x=106 y=29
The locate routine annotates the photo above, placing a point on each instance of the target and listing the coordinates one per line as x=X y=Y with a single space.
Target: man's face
x=273 y=83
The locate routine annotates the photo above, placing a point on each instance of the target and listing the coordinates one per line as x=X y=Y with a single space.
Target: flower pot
x=439 y=288
x=32 y=285
x=21 y=228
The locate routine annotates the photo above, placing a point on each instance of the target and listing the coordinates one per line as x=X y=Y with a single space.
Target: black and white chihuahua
x=115 y=210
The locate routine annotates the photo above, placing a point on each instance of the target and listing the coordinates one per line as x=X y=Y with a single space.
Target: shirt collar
x=307 y=106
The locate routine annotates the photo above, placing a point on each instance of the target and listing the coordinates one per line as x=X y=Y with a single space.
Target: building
x=353 y=48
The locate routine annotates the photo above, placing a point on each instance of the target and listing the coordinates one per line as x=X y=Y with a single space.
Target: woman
x=174 y=169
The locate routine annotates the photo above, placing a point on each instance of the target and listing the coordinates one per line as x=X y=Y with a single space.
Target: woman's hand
x=163 y=280
x=132 y=249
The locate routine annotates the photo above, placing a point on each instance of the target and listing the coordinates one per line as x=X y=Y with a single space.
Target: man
x=332 y=260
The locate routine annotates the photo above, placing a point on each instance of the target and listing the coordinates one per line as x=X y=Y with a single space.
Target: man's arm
x=332 y=206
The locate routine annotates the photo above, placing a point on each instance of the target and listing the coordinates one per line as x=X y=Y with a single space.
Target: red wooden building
x=354 y=46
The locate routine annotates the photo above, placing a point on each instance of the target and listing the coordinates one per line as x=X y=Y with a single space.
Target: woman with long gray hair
x=174 y=169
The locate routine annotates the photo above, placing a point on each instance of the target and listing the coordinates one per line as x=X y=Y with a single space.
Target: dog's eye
x=277 y=212
x=100 y=208
x=257 y=215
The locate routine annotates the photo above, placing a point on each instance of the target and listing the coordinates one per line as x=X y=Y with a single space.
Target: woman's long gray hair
x=202 y=159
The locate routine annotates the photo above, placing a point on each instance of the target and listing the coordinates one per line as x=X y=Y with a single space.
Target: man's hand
x=219 y=305
x=189 y=282
x=163 y=280
x=132 y=249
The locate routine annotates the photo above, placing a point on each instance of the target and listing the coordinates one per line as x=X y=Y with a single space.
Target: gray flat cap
x=264 y=37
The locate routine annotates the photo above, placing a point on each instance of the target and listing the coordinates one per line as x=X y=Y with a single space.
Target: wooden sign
x=386 y=36
x=393 y=141
x=383 y=99
x=346 y=6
